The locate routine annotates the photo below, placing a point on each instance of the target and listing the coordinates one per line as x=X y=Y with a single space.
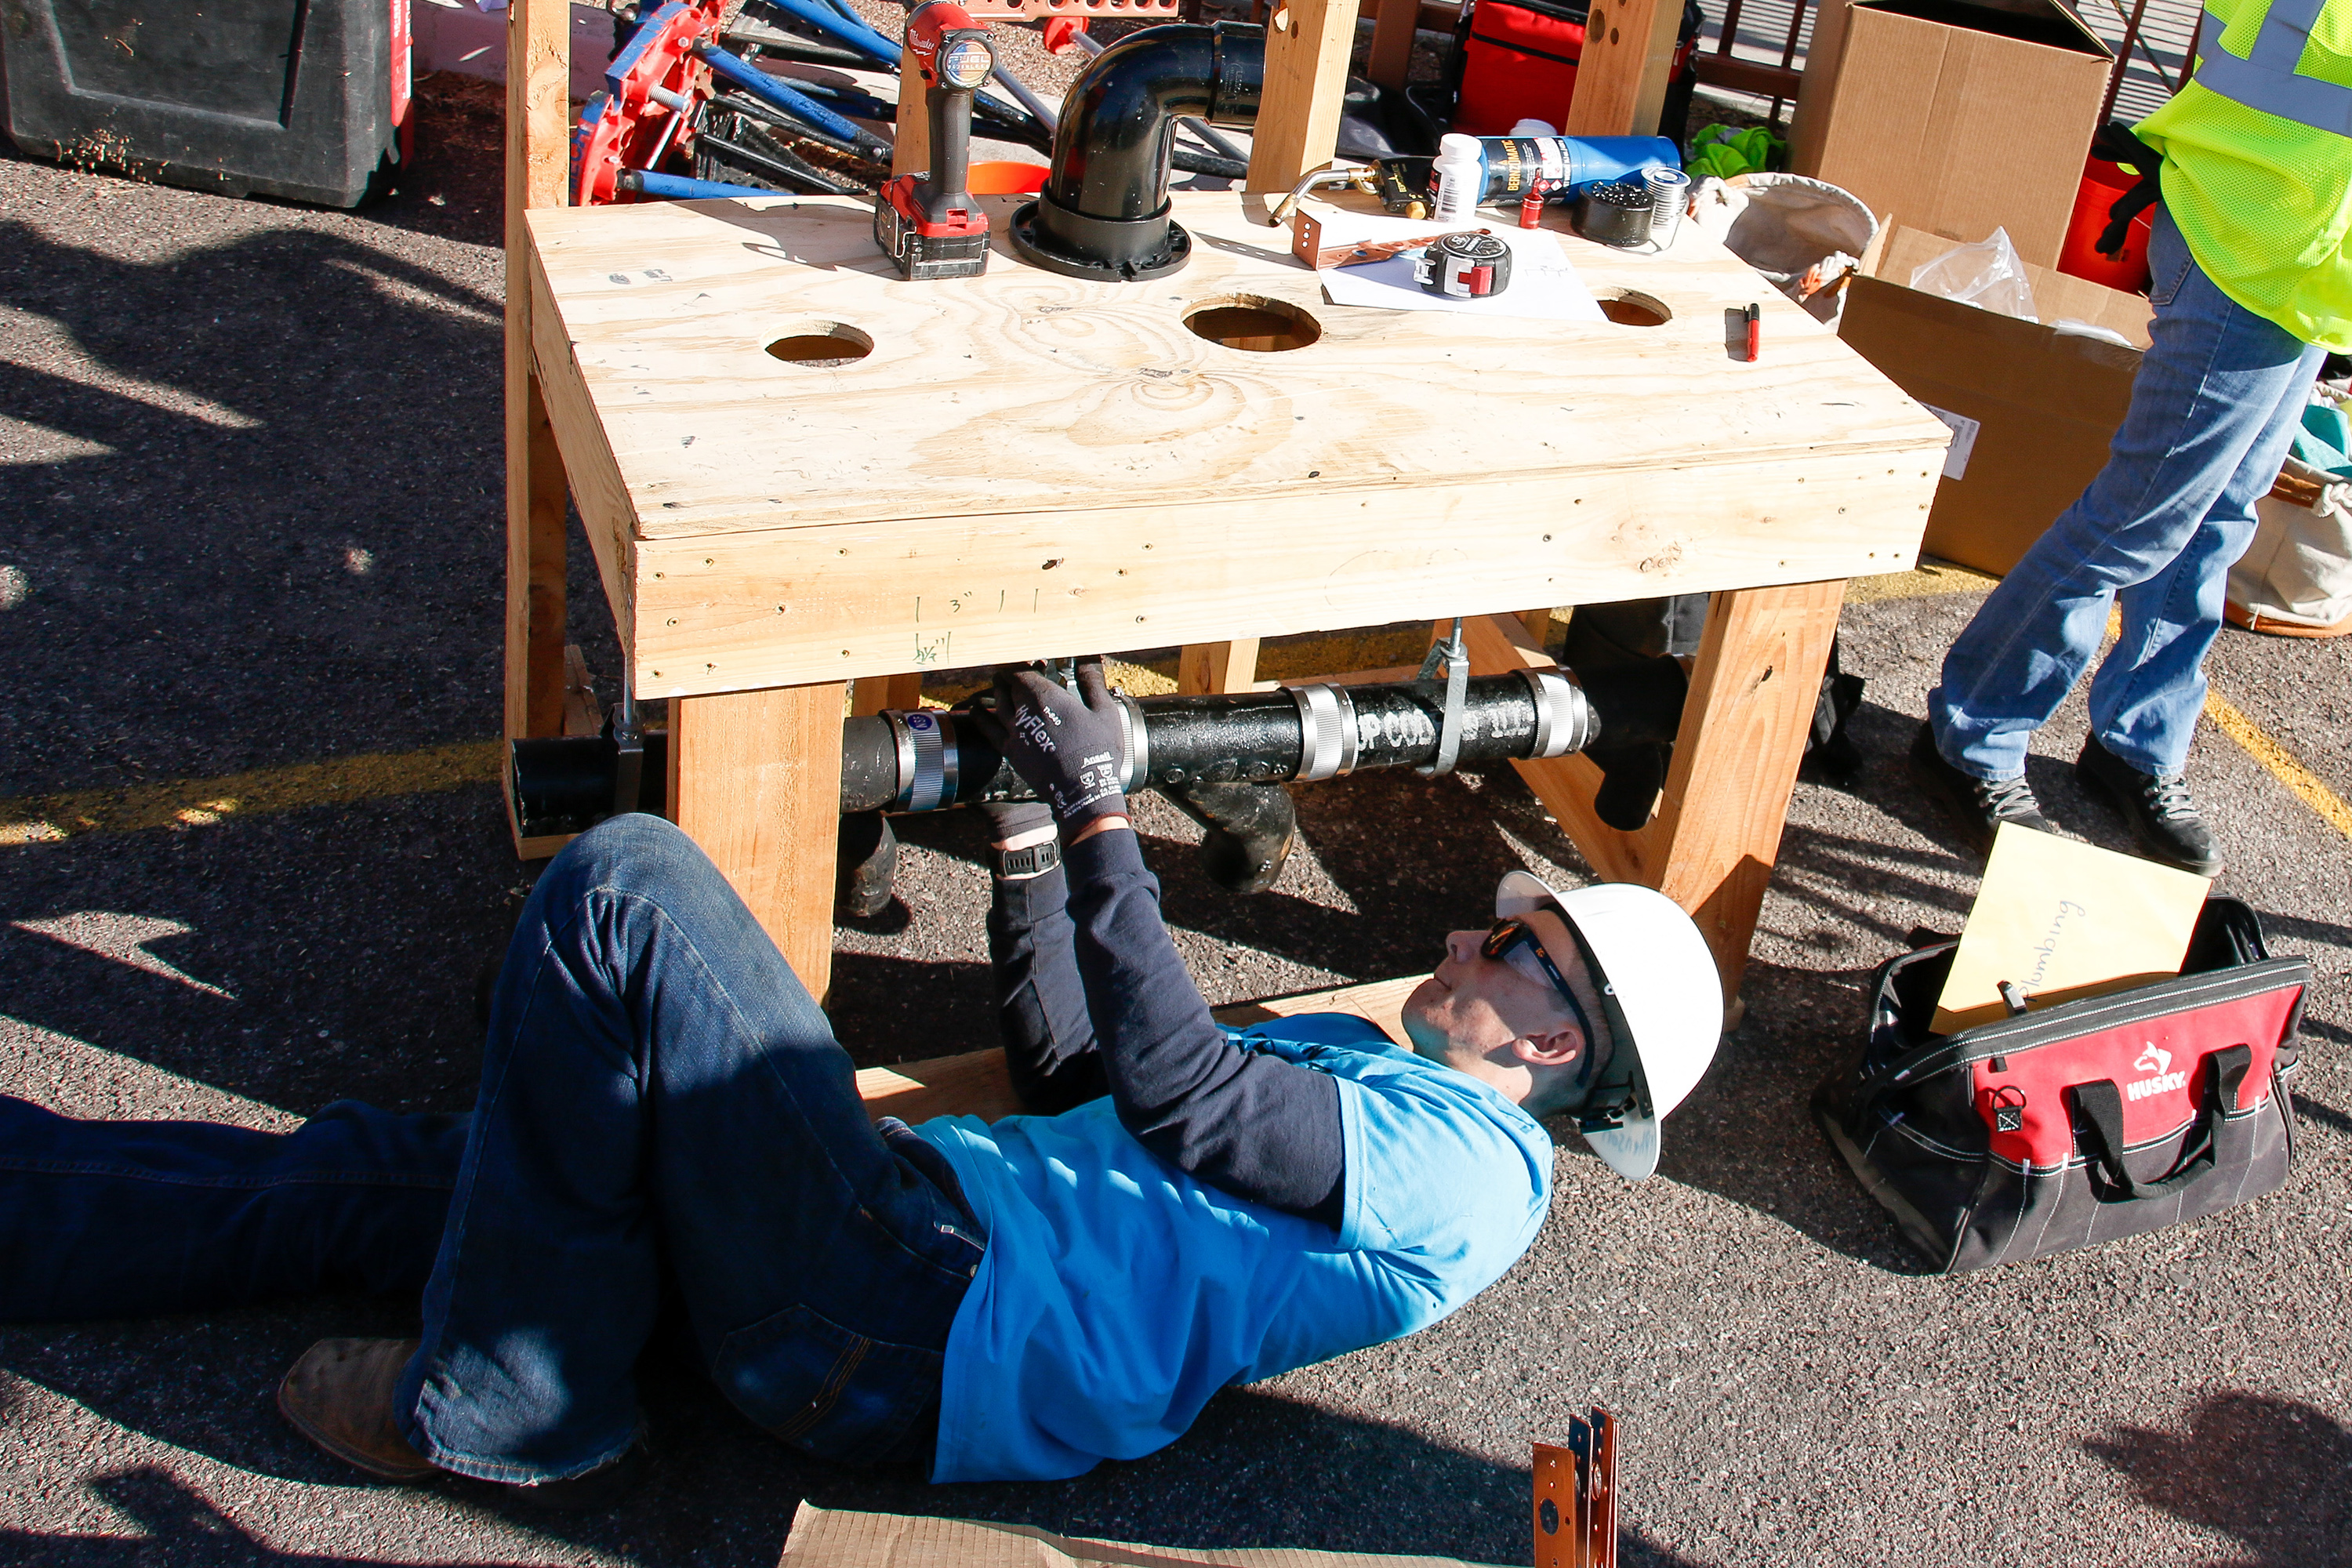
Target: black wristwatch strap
x=1032 y=861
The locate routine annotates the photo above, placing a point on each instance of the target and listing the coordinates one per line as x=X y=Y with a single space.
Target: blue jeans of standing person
x=661 y=1101
x=2215 y=401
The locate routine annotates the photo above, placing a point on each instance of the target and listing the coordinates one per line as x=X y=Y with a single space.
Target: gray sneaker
x=2162 y=817
x=1980 y=805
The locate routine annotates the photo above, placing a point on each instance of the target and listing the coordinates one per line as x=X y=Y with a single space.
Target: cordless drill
x=928 y=224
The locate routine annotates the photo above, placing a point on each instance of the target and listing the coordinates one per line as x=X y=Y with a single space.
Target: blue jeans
x=661 y=1101
x=2218 y=397
x=124 y=1219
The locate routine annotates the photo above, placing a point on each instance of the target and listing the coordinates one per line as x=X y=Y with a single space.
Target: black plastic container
x=306 y=100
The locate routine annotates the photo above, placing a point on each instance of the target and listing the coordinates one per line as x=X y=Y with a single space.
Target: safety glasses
x=1512 y=932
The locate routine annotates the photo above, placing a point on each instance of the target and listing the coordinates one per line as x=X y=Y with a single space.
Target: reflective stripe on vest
x=2267 y=80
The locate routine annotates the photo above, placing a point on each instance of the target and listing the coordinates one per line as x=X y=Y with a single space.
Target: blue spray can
x=1566 y=164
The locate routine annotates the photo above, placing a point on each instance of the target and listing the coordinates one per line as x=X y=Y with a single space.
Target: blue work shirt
x=1118 y=1294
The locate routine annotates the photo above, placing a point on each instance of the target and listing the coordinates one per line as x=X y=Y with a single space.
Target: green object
x=1725 y=152
x=2258 y=161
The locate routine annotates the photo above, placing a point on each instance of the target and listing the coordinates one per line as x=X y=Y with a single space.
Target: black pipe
x=1104 y=211
x=928 y=761
x=1247 y=831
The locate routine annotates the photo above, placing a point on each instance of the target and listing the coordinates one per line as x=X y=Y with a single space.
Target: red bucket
x=2103 y=182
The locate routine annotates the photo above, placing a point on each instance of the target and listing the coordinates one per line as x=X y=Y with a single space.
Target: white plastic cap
x=1459 y=146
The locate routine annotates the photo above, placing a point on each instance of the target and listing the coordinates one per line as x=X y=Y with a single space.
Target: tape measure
x=1472 y=265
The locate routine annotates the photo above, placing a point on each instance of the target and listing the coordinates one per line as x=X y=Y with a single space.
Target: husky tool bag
x=2078 y=1122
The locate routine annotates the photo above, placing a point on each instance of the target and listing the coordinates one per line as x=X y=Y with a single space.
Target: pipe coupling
x=1564 y=720
x=1327 y=730
x=1135 y=744
x=927 y=761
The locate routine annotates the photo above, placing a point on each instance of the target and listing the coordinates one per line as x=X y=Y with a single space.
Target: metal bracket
x=1451 y=656
x=629 y=748
x=1576 y=1495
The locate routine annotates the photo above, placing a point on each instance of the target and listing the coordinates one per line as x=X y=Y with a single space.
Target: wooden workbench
x=1024 y=465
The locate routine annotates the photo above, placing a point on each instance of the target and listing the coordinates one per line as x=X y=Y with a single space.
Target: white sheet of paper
x=1544 y=287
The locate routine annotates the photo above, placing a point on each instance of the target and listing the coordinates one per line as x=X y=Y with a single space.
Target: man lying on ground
x=662 y=1104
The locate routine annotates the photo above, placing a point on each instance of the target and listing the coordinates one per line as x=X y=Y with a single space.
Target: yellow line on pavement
x=200 y=803
x=2281 y=763
x=2284 y=764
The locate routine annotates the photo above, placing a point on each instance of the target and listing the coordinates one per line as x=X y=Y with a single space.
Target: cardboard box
x=2032 y=409
x=828 y=1538
x=1963 y=118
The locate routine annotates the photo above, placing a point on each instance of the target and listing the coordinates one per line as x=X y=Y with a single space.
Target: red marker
x=1755 y=333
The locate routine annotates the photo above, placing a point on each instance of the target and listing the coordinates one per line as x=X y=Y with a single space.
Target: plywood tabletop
x=1025 y=392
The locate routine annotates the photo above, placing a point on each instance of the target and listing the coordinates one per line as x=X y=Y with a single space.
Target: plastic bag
x=1989 y=275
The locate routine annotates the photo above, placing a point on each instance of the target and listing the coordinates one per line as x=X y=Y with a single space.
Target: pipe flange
x=1564 y=720
x=1036 y=244
x=1326 y=732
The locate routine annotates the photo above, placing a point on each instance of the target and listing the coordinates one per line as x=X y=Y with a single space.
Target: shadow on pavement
x=1256 y=1471
x=265 y=516
x=2267 y=1470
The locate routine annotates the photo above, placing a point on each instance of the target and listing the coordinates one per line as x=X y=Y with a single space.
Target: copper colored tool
x=1576 y=1495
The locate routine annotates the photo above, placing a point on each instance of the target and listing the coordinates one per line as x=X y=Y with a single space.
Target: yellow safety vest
x=2258 y=161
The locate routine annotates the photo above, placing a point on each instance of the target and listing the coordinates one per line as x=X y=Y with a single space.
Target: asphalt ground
x=250 y=474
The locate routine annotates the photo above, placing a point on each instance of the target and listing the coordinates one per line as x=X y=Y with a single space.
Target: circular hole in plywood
x=822 y=344
x=1253 y=323
x=1631 y=307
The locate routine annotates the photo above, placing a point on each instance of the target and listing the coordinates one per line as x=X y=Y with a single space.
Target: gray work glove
x=1066 y=744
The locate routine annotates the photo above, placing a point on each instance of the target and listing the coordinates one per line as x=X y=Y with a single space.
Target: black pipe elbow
x=1104 y=211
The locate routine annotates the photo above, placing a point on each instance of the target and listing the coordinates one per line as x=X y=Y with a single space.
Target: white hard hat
x=1664 y=996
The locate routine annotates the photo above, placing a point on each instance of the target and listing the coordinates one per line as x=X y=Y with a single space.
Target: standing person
x=662 y=1104
x=2251 y=280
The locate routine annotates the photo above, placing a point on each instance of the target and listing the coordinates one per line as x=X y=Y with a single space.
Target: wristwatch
x=1034 y=860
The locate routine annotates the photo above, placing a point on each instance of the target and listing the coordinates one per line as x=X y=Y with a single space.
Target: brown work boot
x=339 y=1396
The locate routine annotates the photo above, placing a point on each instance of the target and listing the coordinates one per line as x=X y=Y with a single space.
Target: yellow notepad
x=2062 y=921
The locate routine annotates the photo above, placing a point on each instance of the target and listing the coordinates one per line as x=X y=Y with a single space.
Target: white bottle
x=1460 y=178
x=1534 y=128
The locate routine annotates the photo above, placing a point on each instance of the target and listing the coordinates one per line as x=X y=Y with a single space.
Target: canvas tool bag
x=2078 y=1122
x=2296 y=577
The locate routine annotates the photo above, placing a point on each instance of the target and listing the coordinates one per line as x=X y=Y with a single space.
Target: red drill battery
x=954 y=245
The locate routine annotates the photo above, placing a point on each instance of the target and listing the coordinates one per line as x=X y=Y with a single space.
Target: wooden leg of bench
x=1750 y=709
x=537 y=117
x=1217 y=667
x=870 y=694
x=755 y=778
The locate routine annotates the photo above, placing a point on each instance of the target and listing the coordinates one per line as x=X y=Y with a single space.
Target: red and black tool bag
x=2079 y=1123
x=1515 y=60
